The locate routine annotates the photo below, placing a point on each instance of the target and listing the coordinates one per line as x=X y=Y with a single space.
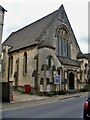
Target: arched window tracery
x=62 y=42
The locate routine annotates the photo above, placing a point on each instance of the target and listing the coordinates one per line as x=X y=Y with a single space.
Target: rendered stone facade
x=38 y=60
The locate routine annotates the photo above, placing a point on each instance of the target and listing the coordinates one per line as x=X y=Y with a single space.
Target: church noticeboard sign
x=57 y=79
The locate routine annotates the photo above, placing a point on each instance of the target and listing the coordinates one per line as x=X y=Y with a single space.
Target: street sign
x=57 y=79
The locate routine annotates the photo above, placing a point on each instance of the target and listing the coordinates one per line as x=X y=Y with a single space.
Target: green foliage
x=63 y=92
x=50 y=93
x=86 y=88
x=83 y=90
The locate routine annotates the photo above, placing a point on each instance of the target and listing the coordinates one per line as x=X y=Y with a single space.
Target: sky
x=23 y=12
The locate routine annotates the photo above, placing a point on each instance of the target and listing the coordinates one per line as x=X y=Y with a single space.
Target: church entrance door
x=71 y=80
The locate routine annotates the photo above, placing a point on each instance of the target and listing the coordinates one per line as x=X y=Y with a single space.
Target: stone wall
x=84 y=75
x=42 y=60
x=31 y=66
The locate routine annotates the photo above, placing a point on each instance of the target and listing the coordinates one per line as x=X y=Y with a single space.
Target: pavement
x=21 y=100
x=22 y=97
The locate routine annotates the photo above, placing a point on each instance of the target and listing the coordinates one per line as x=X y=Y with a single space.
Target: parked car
x=86 y=109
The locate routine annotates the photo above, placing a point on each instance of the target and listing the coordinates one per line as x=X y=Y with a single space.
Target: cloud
x=83 y=39
x=21 y=13
x=84 y=47
x=83 y=43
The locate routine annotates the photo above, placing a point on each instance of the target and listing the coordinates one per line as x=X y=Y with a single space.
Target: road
x=68 y=108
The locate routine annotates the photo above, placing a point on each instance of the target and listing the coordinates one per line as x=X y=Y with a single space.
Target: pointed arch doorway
x=71 y=80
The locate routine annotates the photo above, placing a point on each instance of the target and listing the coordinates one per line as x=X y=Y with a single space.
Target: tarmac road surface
x=67 y=108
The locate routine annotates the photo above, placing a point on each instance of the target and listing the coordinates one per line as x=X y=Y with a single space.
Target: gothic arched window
x=11 y=65
x=50 y=61
x=62 y=42
x=25 y=63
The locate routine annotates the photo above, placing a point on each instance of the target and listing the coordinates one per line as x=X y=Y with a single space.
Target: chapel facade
x=46 y=56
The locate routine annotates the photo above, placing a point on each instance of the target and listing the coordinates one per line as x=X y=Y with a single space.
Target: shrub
x=87 y=87
x=63 y=92
x=83 y=90
x=50 y=93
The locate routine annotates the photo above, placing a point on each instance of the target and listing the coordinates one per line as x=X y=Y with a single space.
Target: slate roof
x=81 y=55
x=67 y=61
x=87 y=56
x=30 y=35
x=1 y=8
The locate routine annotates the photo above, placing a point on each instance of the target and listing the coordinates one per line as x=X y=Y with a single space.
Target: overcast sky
x=23 y=12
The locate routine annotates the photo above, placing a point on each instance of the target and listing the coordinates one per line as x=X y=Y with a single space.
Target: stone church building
x=45 y=55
